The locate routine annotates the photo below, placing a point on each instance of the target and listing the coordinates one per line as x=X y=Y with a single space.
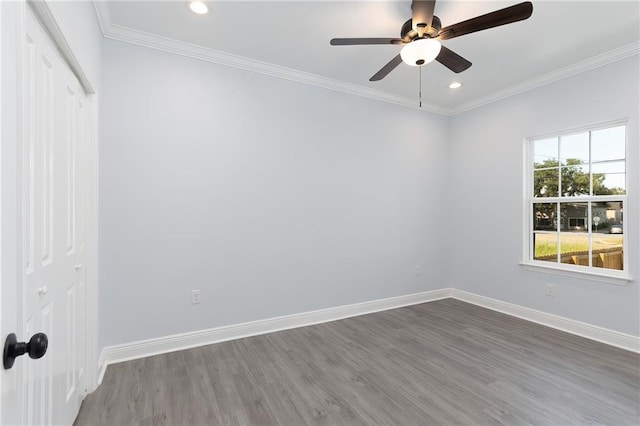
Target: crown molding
x=553 y=76
x=165 y=44
x=104 y=17
x=153 y=41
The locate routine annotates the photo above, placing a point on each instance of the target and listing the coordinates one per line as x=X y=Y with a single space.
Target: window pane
x=574 y=246
x=574 y=240
x=608 y=235
x=544 y=216
x=608 y=144
x=607 y=214
x=545 y=153
x=545 y=183
x=574 y=149
x=575 y=181
x=608 y=178
x=573 y=217
x=545 y=246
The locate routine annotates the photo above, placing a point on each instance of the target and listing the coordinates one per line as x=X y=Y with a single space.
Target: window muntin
x=576 y=200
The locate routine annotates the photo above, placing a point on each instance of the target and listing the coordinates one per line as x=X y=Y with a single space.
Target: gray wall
x=275 y=197
x=486 y=185
x=272 y=197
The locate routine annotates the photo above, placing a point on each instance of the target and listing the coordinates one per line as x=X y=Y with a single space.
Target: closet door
x=52 y=230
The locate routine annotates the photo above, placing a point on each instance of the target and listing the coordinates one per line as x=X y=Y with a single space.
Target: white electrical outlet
x=418 y=271
x=550 y=290
x=196 y=297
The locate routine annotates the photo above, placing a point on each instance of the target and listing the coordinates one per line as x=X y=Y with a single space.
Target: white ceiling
x=561 y=38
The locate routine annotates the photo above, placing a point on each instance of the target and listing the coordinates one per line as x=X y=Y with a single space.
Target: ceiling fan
x=421 y=36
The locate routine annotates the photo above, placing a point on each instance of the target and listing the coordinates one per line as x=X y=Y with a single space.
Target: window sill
x=574 y=273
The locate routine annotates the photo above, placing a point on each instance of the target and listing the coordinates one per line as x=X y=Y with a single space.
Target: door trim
x=11 y=19
x=53 y=24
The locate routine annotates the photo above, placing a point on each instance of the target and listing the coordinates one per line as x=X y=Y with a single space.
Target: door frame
x=10 y=133
x=12 y=19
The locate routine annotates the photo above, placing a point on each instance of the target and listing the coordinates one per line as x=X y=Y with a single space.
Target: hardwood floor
x=444 y=362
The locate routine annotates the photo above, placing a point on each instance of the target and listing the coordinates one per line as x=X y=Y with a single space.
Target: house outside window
x=576 y=195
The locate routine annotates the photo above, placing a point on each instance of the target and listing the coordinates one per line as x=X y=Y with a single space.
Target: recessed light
x=198 y=7
x=455 y=85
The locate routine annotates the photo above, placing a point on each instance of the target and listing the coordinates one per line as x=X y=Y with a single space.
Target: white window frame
x=609 y=276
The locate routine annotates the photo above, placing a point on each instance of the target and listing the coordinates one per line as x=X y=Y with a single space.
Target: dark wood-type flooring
x=443 y=362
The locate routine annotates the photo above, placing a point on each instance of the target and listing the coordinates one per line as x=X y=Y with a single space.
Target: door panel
x=53 y=140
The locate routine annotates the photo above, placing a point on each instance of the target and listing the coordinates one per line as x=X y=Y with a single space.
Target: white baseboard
x=176 y=342
x=593 y=332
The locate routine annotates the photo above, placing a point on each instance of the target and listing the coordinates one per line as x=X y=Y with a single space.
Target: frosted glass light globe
x=420 y=52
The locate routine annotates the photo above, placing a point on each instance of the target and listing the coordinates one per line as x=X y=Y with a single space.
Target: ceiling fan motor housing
x=408 y=33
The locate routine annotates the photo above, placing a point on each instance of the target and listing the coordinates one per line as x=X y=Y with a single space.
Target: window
x=576 y=196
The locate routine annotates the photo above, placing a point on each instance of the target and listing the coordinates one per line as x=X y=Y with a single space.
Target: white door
x=50 y=232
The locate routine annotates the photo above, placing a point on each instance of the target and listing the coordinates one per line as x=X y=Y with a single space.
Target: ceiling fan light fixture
x=420 y=52
x=199 y=7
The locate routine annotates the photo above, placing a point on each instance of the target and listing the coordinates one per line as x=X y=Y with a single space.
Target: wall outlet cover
x=550 y=290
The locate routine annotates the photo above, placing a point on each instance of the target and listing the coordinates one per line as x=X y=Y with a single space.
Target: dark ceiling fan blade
x=452 y=60
x=386 y=69
x=422 y=13
x=356 y=41
x=508 y=15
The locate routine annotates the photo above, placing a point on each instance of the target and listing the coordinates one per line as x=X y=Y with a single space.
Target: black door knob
x=36 y=347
